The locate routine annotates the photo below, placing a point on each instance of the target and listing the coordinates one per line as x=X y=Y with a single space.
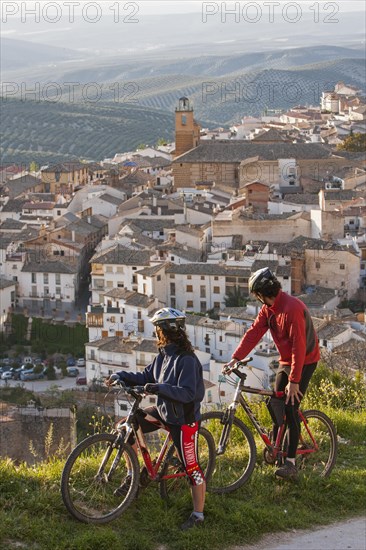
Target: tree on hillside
x=355 y=143
x=235 y=298
x=348 y=359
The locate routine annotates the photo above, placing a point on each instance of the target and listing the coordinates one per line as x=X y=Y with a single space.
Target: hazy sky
x=182 y=6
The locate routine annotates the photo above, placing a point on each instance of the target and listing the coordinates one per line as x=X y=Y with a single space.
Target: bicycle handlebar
x=131 y=390
x=237 y=366
x=235 y=369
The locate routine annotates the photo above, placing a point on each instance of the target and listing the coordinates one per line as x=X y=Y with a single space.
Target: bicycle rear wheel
x=94 y=470
x=173 y=465
x=320 y=427
x=235 y=466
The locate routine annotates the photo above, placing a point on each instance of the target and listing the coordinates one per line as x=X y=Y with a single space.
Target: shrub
x=332 y=389
x=62 y=365
x=51 y=372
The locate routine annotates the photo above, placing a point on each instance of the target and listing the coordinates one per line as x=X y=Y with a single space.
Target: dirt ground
x=344 y=535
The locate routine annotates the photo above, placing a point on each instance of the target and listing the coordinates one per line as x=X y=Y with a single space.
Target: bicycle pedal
x=144 y=478
x=268 y=456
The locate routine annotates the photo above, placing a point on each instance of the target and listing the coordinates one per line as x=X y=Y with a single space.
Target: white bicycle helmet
x=260 y=280
x=168 y=317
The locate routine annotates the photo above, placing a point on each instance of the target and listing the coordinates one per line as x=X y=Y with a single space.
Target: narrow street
x=65 y=383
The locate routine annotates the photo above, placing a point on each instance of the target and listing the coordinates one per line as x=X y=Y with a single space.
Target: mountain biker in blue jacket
x=175 y=376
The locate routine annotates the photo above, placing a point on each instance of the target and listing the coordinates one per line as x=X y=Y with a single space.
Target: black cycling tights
x=292 y=415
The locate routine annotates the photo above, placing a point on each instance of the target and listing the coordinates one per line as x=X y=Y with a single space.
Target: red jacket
x=292 y=331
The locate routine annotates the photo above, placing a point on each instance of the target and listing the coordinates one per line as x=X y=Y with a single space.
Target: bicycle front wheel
x=93 y=472
x=172 y=487
x=235 y=466
x=317 y=450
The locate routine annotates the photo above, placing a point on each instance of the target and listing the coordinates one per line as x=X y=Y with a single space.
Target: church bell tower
x=187 y=131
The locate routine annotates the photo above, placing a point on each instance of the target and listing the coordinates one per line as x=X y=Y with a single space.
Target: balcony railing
x=93 y=320
x=14 y=257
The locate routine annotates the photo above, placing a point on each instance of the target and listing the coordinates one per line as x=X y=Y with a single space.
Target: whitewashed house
x=116 y=268
x=123 y=312
x=333 y=334
x=201 y=286
x=48 y=285
x=7 y=299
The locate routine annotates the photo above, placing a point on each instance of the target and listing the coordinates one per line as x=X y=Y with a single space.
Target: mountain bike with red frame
x=96 y=468
x=236 y=450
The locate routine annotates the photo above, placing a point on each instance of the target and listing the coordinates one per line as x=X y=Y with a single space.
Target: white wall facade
x=7 y=300
x=47 y=289
x=191 y=291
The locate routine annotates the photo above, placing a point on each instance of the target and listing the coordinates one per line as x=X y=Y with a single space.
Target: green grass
x=32 y=515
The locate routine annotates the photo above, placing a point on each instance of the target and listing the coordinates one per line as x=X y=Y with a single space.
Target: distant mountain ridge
x=104 y=68
x=17 y=54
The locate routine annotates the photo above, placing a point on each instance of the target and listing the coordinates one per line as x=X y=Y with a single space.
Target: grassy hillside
x=45 y=131
x=226 y=100
x=137 y=96
x=50 y=131
x=32 y=515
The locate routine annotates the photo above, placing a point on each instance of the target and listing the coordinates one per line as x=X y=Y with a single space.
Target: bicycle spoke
x=176 y=486
x=234 y=467
x=88 y=489
x=321 y=433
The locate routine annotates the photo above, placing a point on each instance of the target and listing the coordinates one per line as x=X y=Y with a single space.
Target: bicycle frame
x=239 y=399
x=130 y=426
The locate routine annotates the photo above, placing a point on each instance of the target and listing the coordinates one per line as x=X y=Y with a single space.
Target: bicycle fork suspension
x=227 y=422
x=116 y=444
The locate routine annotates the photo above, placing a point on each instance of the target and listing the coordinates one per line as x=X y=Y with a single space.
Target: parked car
x=70 y=362
x=81 y=380
x=30 y=375
x=7 y=375
x=72 y=371
x=27 y=374
x=26 y=367
x=16 y=373
x=80 y=362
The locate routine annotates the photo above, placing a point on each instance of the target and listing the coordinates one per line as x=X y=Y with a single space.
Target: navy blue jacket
x=180 y=384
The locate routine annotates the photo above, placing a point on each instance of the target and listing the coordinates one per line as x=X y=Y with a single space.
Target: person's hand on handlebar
x=111 y=380
x=228 y=367
x=151 y=388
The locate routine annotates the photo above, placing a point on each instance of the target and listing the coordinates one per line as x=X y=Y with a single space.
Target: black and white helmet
x=261 y=280
x=169 y=318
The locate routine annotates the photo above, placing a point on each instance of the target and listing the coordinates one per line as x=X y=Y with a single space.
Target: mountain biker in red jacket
x=293 y=333
x=176 y=377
